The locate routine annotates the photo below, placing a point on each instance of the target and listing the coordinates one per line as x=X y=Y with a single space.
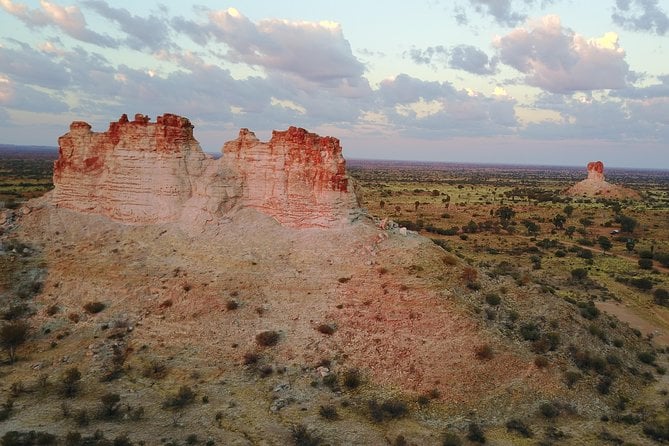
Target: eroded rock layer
x=143 y=172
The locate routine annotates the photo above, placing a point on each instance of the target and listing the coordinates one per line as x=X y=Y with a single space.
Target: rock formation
x=143 y=172
x=596 y=186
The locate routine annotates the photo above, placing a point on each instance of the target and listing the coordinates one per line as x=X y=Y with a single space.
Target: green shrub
x=645 y=263
x=643 y=283
x=13 y=334
x=530 y=331
x=646 y=357
x=588 y=310
x=492 y=299
x=661 y=296
x=389 y=409
x=579 y=274
x=549 y=410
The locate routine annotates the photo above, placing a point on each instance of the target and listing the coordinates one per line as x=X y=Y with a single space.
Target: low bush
x=642 y=283
x=645 y=263
x=389 y=409
x=94 y=307
x=329 y=412
x=549 y=410
x=647 y=357
x=182 y=398
x=483 y=352
x=70 y=382
x=530 y=331
x=661 y=297
x=302 y=437
x=352 y=378
x=327 y=329
x=475 y=433
x=15 y=438
x=267 y=338
x=520 y=427
x=451 y=439
x=493 y=299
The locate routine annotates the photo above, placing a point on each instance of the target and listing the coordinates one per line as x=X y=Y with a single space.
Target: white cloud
x=559 y=60
x=69 y=19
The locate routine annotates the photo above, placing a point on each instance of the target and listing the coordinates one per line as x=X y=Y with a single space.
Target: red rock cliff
x=143 y=172
x=297 y=177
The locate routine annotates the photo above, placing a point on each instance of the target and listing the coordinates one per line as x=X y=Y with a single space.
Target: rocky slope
x=596 y=186
x=142 y=172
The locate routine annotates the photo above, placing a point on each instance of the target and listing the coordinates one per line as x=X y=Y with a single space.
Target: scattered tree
x=604 y=242
x=70 y=382
x=629 y=245
x=627 y=224
x=559 y=221
x=13 y=334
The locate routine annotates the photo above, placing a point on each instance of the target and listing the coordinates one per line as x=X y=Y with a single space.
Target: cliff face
x=143 y=172
x=596 y=186
x=297 y=177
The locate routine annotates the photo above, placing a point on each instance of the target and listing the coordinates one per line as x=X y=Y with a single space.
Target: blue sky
x=509 y=81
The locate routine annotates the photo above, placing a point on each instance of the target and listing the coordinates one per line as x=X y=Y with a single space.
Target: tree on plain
x=13 y=334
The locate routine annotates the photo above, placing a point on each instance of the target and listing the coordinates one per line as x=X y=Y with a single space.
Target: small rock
x=403 y=231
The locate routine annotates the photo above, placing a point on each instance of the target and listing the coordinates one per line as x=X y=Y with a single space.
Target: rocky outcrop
x=596 y=186
x=295 y=177
x=143 y=172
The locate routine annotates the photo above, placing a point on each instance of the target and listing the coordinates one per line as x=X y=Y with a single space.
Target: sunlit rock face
x=146 y=172
x=596 y=186
x=596 y=171
x=299 y=178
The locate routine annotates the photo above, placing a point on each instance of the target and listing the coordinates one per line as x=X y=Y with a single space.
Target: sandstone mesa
x=146 y=172
x=596 y=186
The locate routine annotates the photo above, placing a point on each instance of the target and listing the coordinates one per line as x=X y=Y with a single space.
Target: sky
x=559 y=82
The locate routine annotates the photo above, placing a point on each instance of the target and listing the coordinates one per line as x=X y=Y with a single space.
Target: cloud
x=660 y=90
x=313 y=51
x=499 y=9
x=559 y=60
x=461 y=57
x=151 y=32
x=429 y=55
x=607 y=119
x=471 y=59
x=14 y=95
x=428 y=109
x=69 y=19
x=25 y=65
x=641 y=15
